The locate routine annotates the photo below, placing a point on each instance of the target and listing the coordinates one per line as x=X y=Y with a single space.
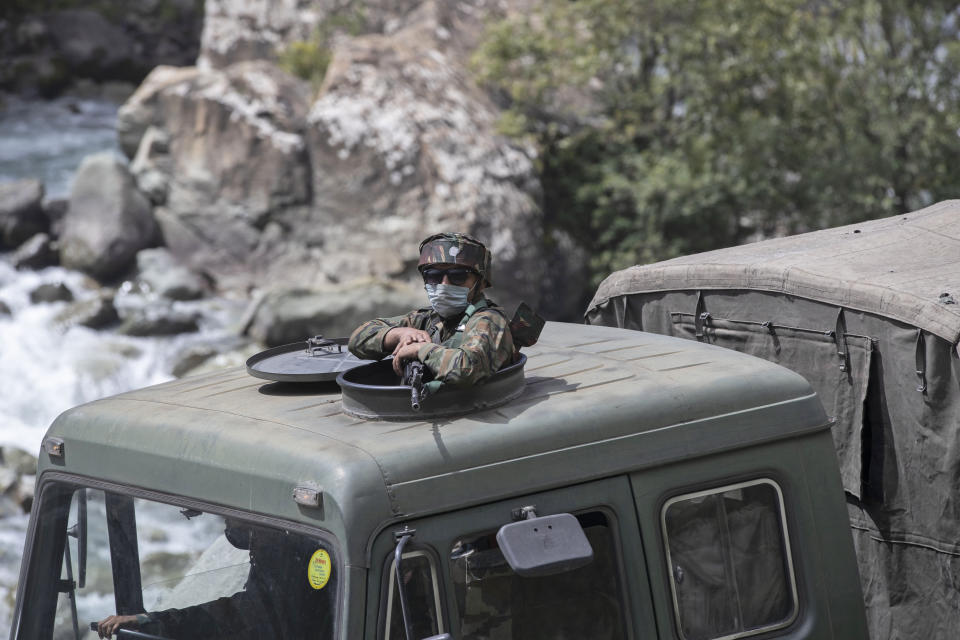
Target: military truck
x=611 y=484
x=869 y=314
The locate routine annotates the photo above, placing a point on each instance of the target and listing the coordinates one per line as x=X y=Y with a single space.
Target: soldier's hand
x=403 y=354
x=401 y=336
x=107 y=626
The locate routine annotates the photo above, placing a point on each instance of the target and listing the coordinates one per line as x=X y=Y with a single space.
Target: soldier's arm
x=367 y=340
x=487 y=346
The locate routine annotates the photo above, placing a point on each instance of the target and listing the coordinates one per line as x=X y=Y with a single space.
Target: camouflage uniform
x=486 y=347
x=487 y=342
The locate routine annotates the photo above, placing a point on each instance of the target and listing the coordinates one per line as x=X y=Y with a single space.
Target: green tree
x=667 y=127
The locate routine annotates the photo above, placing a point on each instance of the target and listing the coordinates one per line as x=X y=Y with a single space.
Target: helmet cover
x=456 y=248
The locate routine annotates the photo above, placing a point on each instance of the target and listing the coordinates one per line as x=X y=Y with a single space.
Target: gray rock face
x=295 y=315
x=223 y=154
x=18 y=470
x=96 y=313
x=21 y=212
x=403 y=145
x=49 y=292
x=151 y=322
x=4 y=309
x=162 y=273
x=36 y=253
x=253 y=29
x=108 y=220
x=18 y=460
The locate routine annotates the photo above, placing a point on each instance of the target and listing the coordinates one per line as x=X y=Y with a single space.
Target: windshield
x=106 y=563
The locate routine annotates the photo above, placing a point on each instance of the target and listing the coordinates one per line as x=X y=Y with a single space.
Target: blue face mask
x=448 y=300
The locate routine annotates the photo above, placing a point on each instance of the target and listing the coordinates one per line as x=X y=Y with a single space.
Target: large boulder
x=97 y=312
x=36 y=253
x=403 y=144
x=261 y=29
x=260 y=184
x=21 y=212
x=162 y=273
x=222 y=151
x=108 y=220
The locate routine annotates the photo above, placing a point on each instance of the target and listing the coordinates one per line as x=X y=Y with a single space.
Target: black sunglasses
x=456 y=276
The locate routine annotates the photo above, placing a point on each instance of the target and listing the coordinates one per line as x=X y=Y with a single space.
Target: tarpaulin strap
x=840 y=339
x=921 y=361
x=700 y=317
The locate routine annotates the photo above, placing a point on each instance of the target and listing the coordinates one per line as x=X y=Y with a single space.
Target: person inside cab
x=462 y=337
x=275 y=602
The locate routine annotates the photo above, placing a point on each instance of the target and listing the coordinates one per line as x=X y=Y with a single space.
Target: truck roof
x=598 y=401
x=850 y=266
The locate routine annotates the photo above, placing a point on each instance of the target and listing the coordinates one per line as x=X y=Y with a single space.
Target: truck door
x=457 y=581
x=160 y=569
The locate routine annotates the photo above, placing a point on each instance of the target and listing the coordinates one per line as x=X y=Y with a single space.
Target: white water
x=46 y=367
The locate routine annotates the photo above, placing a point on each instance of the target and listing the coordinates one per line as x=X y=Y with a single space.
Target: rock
x=56 y=209
x=154 y=322
x=47 y=293
x=159 y=271
x=145 y=108
x=224 y=153
x=36 y=253
x=95 y=313
x=151 y=165
x=287 y=316
x=191 y=358
x=22 y=462
x=26 y=492
x=402 y=144
x=254 y=29
x=5 y=309
x=108 y=221
x=8 y=479
x=21 y=212
x=9 y=507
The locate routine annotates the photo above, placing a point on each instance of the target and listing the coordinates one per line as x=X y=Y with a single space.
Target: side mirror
x=543 y=546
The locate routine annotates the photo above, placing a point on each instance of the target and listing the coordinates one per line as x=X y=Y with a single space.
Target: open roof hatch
x=316 y=360
x=373 y=391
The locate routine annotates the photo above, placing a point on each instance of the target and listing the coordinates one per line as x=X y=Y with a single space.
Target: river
x=46 y=366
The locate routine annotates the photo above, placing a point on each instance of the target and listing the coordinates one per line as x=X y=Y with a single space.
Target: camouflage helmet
x=456 y=248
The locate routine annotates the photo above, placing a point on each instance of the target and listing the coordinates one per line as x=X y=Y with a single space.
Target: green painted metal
x=599 y=404
x=598 y=401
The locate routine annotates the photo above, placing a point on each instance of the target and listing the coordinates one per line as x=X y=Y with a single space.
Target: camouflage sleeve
x=366 y=341
x=487 y=346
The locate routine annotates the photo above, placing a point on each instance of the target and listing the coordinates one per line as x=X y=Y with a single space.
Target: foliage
x=672 y=126
x=309 y=59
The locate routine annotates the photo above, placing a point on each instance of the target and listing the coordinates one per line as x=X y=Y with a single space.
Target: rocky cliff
x=261 y=179
x=305 y=154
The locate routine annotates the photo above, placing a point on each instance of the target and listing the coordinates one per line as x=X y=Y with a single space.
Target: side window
x=171 y=571
x=421 y=587
x=494 y=603
x=731 y=571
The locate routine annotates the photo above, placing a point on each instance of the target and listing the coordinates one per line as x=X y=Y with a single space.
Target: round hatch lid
x=315 y=360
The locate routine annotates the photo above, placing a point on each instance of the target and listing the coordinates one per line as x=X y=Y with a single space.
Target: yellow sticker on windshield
x=319 y=569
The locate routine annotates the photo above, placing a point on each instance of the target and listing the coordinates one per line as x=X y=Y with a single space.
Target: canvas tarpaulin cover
x=870 y=315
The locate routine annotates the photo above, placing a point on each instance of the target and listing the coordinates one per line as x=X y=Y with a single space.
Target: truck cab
x=633 y=486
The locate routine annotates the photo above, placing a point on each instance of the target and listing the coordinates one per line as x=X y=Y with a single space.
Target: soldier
x=272 y=604
x=462 y=337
